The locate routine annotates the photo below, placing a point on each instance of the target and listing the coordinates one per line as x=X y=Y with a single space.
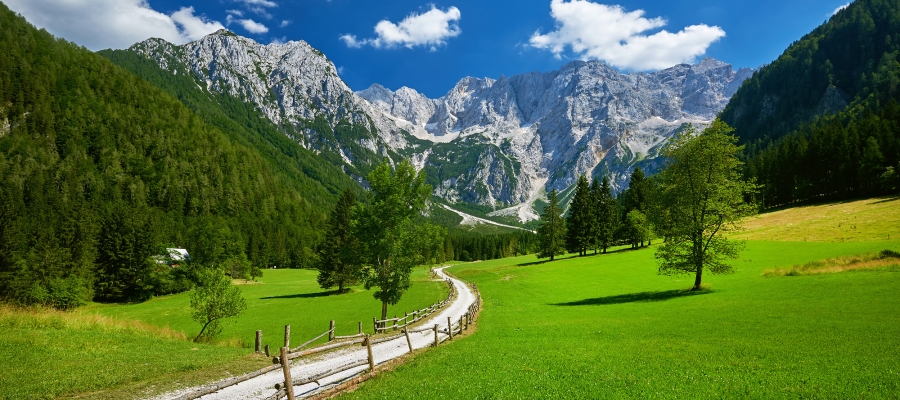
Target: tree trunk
x=383 y=310
x=201 y=331
x=551 y=257
x=698 y=278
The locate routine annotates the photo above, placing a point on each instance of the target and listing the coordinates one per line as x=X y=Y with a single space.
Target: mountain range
x=499 y=143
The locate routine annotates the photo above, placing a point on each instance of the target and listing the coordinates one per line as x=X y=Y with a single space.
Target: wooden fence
x=409 y=318
x=283 y=360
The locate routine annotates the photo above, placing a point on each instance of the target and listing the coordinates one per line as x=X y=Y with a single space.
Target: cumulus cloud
x=839 y=9
x=618 y=37
x=248 y=24
x=285 y=23
x=117 y=24
x=431 y=28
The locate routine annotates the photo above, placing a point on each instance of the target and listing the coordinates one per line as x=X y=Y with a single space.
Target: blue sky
x=429 y=46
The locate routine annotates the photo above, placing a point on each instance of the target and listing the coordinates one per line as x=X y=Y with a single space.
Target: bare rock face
x=291 y=84
x=499 y=142
x=585 y=118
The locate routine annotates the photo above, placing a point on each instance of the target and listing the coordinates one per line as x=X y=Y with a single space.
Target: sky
x=431 y=45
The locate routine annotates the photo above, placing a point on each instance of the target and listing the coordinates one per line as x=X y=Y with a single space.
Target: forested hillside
x=822 y=121
x=99 y=170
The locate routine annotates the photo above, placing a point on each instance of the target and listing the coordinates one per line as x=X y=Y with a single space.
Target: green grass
x=283 y=297
x=855 y=220
x=125 y=351
x=608 y=326
x=49 y=354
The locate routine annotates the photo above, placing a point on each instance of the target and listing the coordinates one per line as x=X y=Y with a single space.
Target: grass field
x=608 y=326
x=858 y=220
x=283 y=297
x=127 y=351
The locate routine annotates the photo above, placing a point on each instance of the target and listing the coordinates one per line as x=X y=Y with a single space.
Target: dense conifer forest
x=100 y=170
x=822 y=121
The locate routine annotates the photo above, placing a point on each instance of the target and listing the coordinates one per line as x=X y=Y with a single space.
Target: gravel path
x=264 y=386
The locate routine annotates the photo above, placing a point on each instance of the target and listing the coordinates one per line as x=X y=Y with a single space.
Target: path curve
x=264 y=385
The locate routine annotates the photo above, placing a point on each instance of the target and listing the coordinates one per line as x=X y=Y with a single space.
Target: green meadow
x=117 y=351
x=283 y=297
x=607 y=326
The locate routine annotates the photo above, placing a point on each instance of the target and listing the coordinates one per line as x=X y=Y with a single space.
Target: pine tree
x=552 y=233
x=578 y=223
x=338 y=262
x=607 y=215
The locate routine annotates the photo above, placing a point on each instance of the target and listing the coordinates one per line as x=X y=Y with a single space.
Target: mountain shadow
x=635 y=297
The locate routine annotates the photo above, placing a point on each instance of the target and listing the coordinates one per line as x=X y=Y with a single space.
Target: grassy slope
x=607 y=326
x=94 y=353
x=856 y=220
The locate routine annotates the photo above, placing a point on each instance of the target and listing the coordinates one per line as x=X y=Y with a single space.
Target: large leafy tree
x=702 y=196
x=392 y=238
x=552 y=233
x=338 y=262
x=579 y=224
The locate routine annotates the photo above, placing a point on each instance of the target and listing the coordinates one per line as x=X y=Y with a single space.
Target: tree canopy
x=393 y=243
x=702 y=196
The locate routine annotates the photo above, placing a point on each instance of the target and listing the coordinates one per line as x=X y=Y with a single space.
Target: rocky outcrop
x=499 y=142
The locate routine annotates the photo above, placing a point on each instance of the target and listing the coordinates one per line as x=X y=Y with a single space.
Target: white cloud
x=839 y=9
x=431 y=28
x=616 y=36
x=285 y=23
x=279 y=41
x=117 y=24
x=193 y=27
x=248 y=24
x=239 y=13
x=260 y=3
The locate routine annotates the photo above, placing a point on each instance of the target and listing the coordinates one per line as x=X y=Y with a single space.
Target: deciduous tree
x=391 y=240
x=214 y=299
x=701 y=195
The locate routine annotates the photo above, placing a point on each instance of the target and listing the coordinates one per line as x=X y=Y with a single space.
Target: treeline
x=597 y=219
x=99 y=170
x=472 y=246
x=831 y=159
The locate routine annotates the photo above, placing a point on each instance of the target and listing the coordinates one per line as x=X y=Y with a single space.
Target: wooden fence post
x=258 y=341
x=460 y=324
x=360 y=326
x=286 y=368
x=449 y=328
x=395 y=323
x=369 y=348
x=408 y=342
x=287 y=336
x=267 y=351
x=331 y=329
x=435 y=335
x=374 y=325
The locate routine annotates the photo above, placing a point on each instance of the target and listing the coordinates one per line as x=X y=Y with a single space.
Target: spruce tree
x=552 y=233
x=338 y=263
x=607 y=215
x=578 y=223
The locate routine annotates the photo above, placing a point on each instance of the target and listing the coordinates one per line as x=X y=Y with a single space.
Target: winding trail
x=263 y=386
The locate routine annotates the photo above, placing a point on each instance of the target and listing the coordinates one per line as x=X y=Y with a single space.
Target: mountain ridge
x=495 y=142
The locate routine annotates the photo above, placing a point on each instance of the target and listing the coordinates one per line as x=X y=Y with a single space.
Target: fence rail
x=287 y=354
x=410 y=318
